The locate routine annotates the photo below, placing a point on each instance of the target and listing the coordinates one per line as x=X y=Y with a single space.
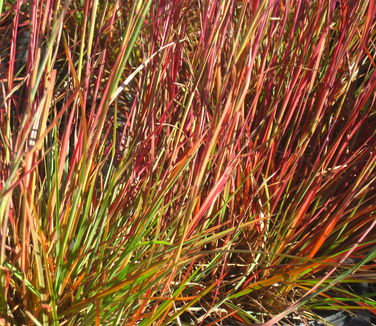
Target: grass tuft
x=177 y=162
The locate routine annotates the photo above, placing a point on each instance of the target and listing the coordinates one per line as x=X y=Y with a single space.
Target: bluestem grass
x=180 y=161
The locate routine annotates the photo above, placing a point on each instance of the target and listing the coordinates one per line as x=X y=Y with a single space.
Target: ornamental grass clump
x=186 y=162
